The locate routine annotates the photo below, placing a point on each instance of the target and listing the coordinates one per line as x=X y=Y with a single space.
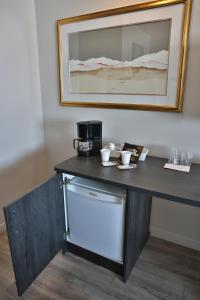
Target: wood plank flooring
x=164 y=271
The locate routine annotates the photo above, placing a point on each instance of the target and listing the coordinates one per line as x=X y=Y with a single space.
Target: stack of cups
x=111 y=146
x=126 y=156
x=105 y=154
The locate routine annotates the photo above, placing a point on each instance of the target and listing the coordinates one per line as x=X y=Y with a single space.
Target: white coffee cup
x=126 y=156
x=111 y=146
x=105 y=154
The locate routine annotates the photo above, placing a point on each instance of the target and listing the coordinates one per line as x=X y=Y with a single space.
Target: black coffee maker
x=89 y=141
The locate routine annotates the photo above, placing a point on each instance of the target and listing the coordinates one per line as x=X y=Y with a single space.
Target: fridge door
x=96 y=221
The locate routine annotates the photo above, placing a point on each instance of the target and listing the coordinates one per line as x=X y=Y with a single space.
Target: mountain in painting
x=157 y=60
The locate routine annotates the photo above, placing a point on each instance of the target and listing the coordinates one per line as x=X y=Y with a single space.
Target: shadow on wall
x=21 y=177
x=59 y=140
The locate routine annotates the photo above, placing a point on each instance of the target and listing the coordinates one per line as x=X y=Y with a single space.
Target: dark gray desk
x=36 y=221
x=149 y=177
x=147 y=180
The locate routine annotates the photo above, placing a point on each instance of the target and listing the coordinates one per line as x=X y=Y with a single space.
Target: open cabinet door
x=35 y=225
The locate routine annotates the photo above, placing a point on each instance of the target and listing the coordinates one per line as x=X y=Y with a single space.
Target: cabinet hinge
x=65 y=235
x=64 y=182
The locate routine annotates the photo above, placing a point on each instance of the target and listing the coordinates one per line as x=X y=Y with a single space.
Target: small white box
x=144 y=154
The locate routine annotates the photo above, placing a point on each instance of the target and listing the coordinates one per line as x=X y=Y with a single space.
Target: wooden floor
x=164 y=271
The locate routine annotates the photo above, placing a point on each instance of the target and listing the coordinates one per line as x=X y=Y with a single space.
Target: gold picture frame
x=181 y=8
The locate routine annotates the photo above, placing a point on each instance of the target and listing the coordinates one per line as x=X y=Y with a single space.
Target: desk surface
x=149 y=177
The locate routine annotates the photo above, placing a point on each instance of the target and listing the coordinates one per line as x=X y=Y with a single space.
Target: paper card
x=127 y=167
x=109 y=163
x=177 y=167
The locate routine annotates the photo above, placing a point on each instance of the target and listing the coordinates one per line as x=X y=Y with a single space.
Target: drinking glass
x=174 y=156
x=186 y=158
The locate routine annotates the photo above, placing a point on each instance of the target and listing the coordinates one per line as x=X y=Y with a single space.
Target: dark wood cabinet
x=36 y=231
x=35 y=225
x=36 y=222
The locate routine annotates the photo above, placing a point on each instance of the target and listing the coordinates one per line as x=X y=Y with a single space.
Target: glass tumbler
x=186 y=158
x=174 y=156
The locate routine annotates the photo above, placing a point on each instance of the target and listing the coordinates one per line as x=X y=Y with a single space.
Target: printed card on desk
x=109 y=163
x=177 y=167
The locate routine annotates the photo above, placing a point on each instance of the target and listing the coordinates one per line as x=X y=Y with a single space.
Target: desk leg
x=138 y=210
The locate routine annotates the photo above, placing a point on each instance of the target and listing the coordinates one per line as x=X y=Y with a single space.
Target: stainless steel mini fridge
x=95 y=215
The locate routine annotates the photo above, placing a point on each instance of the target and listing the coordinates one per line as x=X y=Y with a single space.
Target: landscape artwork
x=130 y=59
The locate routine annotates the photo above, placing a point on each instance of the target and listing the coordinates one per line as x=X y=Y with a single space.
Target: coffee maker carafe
x=89 y=141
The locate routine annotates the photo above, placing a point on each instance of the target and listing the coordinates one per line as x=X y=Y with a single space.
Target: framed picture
x=132 y=57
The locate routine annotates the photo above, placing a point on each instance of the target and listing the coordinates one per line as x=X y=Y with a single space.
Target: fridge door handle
x=107 y=199
x=99 y=196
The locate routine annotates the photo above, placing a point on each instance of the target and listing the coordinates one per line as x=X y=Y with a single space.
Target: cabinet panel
x=138 y=212
x=35 y=225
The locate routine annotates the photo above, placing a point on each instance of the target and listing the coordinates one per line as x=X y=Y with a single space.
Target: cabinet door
x=35 y=225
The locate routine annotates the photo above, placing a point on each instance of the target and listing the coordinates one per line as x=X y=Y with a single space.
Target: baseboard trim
x=175 y=238
x=2 y=227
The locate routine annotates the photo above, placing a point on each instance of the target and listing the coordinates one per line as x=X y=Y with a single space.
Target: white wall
x=157 y=130
x=22 y=151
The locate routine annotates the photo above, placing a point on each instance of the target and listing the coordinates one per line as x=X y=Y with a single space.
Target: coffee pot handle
x=74 y=144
